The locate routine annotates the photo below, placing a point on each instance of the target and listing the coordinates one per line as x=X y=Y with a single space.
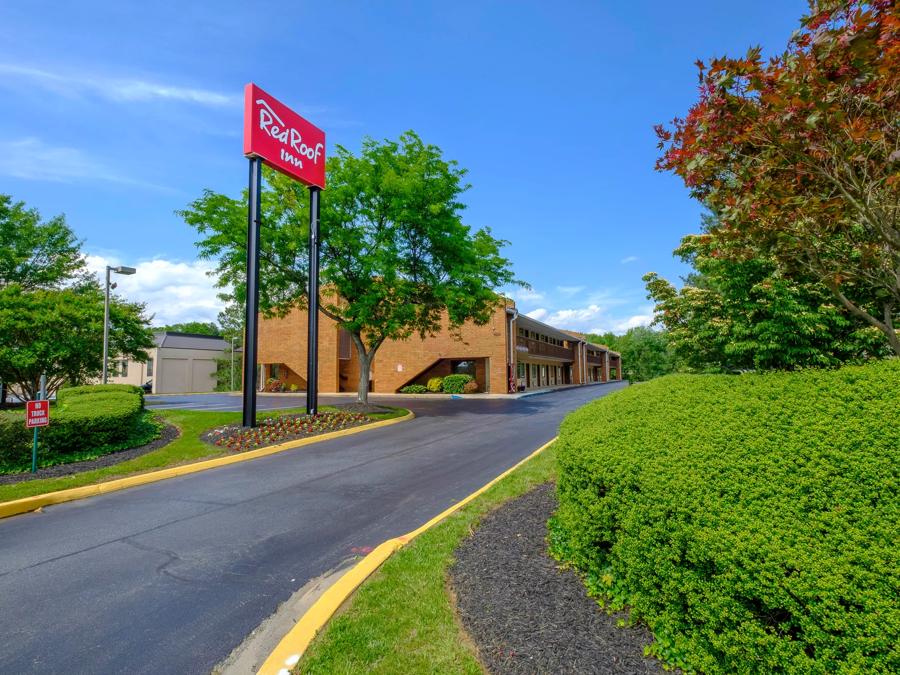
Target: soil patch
x=167 y=434
x=276 y=430
x=525 y=614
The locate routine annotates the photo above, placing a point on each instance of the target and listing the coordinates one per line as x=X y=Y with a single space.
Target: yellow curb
x=27 y=504
x=288 y=652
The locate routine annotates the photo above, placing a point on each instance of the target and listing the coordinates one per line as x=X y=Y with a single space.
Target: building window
x=523 y=333
x=520 y=368
x=344 y=344
x=534 y=375
x=150 y=367
x=123 y=368
x=463 y=368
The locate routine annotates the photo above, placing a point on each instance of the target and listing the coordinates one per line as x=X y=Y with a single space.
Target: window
x=463 y=368
x=123 y=368
x=520 y=369
x=150 y=367
x=534 y=374
x=344 y=345
x=523 y=333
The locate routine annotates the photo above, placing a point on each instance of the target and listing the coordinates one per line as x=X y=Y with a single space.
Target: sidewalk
x=413 y=397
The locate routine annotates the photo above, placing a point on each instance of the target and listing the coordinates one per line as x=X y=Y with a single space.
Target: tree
x=800 y=156
x=34 y=253
x=59 y=332
x=195 y=327
x=645 y=352
x=395 y=252
x=735 y=314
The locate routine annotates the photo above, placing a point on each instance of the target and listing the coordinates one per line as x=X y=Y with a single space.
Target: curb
x=26 y=504
x=288 y=652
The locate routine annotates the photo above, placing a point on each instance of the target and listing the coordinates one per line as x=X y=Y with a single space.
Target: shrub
x=750 y=520
x=470 y=387
x=294 y=387
x=454 y=384
x=414 y=389
x=434 y=384
x=273 y=385
x=85 y=422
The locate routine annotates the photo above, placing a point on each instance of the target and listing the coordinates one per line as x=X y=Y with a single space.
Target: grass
x=186 y=448
x=401 y=620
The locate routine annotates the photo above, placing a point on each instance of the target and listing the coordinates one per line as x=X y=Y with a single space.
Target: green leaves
x=751 y=521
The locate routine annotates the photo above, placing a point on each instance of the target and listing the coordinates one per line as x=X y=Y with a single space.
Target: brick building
x=510 y=352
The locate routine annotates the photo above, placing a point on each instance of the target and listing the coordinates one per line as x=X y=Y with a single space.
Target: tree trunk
x=366 y=357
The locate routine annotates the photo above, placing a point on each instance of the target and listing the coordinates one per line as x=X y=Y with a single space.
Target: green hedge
x=414 y=389
x=85 y=422
x=455 y=384
x=434 y=384
x=753 y=521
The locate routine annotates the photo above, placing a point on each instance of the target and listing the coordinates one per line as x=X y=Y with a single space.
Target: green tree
x=743 y=313
x=59 y=332
x=229 y=373
x=35 y=253
x=395 y=251
x=195 y=327
x=645 y=352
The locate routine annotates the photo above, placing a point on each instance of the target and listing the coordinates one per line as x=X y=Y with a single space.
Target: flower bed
x=275 y=430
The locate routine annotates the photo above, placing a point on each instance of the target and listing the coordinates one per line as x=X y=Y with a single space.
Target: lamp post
x=121 y=269
x=232 y=364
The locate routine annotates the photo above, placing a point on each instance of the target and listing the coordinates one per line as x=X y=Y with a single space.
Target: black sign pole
x=251 y=315
x=312 y=353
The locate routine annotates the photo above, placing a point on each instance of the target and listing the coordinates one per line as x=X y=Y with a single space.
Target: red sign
x=282 y=139
x=37 y=414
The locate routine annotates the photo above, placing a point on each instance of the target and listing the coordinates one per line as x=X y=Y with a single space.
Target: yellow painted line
x=288 y=652
x=27 y=504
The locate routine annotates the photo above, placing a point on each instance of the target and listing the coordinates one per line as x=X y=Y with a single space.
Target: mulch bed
x=168 y=434
x=276 y=430
x=524 y=613
x=363 y=408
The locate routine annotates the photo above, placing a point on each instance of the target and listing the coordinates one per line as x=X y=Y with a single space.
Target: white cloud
x=569 y=291
x=629 y=259
x=32 y=159
x=116 y=89
x=633 y=322
x=537 y=314
x=174 y=291
x=525 y=295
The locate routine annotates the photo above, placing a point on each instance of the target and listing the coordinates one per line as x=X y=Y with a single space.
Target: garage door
x=174 y=377
x=203 y=375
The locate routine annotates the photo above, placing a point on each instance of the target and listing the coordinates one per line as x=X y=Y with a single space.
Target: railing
x=595 y=359
x=538 y=348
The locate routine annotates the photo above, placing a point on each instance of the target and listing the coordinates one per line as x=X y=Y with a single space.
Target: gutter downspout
x=511 y=315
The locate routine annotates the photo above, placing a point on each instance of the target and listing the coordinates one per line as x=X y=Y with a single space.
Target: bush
x=454 y=384
x=434 y=384
x=751 y=521
x=470 y=387
x=414 y=389
x=85 y=422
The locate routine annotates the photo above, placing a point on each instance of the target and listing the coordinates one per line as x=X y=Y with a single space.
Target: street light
x=121 y=269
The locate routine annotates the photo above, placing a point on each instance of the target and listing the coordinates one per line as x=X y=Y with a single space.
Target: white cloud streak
x=32 y=159
x=115 y=89
x=628 y=259
x=174 y=291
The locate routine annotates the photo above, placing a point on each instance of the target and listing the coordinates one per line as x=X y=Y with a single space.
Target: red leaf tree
x=799 y=156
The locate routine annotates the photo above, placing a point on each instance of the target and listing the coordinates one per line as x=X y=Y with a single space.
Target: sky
x=119 y=114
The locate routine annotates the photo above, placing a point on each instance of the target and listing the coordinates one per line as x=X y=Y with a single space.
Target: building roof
x=174 y=340
x=524 y=321
x=582 y=336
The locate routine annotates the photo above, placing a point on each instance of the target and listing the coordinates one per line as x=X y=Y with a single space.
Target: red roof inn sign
x=282 y=139
x=37 y=414
x=276 y=135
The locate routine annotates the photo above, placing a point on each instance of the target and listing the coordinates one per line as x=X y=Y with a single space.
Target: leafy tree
x=395 y=252
x=800 y=156
x=34 y=253
x=645 y=352
x=745 y=314
x=196 y=327
x=59 y=332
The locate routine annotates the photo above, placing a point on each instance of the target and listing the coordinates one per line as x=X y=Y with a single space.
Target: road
x=170 y=577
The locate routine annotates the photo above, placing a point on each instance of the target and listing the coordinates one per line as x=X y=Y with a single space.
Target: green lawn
x=400 y=620
x=186 y=448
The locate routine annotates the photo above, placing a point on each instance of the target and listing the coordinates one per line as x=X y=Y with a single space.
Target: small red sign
x=282 y=139
x=37 y=414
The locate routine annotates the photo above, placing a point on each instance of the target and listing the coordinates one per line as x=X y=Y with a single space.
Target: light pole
x=232 y=364
x=121 y=269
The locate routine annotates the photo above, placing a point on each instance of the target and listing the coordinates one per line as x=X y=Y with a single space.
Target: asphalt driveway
x=170 y=577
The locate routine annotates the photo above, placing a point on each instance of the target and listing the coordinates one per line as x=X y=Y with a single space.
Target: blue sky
x=117 y=114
